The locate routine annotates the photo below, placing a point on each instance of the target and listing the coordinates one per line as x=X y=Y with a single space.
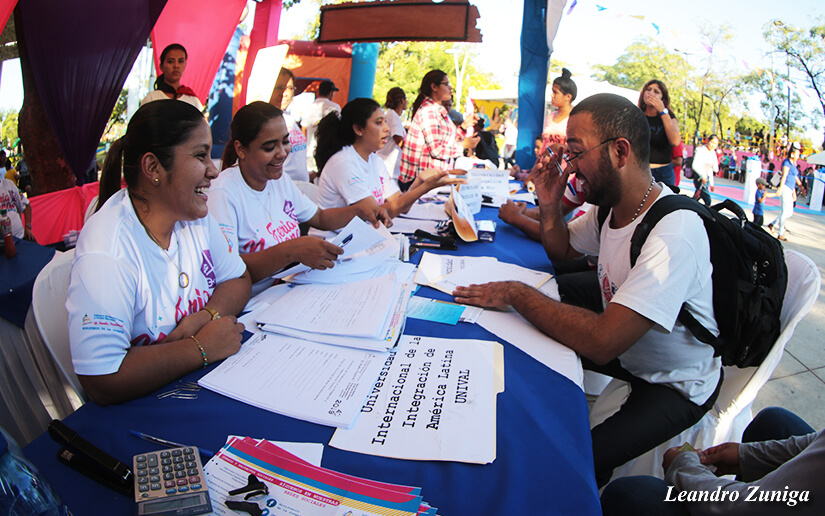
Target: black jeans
x=651 y=415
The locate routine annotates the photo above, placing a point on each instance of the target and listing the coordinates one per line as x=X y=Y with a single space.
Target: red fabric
x=55 y=214
x=204 y=31
x=185 y=90
x=6 y=7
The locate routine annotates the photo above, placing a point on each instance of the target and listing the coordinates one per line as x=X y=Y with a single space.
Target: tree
x=805 y=51
x=404 y=64
x=8 y=129
x=116 y=126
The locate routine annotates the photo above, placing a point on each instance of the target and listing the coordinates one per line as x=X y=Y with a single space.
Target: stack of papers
x=299 y=488
x=366 y=314
x=314 y=382
x=435 y=400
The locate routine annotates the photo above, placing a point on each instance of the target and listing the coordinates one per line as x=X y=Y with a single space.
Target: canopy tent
x=311 y=63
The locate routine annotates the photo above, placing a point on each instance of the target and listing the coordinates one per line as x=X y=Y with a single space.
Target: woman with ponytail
x=564 y=93
x=259 y=207
x=433 y=140
x=352 y=174
x=167 y=85
x=152 y=272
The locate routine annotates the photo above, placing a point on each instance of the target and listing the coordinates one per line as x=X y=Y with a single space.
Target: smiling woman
x=259 y=208
x=151 y=267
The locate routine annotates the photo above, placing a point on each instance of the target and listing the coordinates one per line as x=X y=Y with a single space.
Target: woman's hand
x=654 y=102
x=220 y=338
x=375 y=215
x=432 y=178
x=188 y=326
x=314 y=252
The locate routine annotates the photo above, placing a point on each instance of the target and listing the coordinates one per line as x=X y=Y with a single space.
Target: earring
x=156 y=181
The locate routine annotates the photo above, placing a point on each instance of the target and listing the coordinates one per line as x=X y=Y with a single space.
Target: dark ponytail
x=160 y=82
x=246 y=124
x=157 y=127
x=335 y=130
x=433 y=77
x=566 y=84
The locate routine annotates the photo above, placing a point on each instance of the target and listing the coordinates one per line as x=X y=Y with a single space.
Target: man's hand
x=671 y=454
x=28 y=235
x=510 y=211
x=549 y=183
x=490 y=295
x=724 y=456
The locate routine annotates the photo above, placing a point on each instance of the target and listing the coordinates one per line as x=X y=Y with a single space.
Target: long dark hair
x=156 y=127
x=246 y=124
x=566 y=84
x=665 y=95
x=335 y=131
x=433 y=77
x=160 y=82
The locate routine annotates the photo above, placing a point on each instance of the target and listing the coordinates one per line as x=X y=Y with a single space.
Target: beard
x=603 y=188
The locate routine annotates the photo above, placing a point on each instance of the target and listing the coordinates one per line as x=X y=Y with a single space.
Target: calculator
x=170 y=482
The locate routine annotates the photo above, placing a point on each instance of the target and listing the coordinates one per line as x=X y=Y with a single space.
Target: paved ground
x=798 y=383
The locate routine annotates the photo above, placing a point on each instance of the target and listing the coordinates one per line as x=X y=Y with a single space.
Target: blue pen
x=168 y=444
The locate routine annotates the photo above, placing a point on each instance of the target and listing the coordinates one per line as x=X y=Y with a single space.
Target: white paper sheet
x=495 y=183
x=513 y=328
x=433 y=266
x=425 y=211
x=470 y=197
x=315 y=382
x=434 y=400
x=310 y=452
x=480 y=272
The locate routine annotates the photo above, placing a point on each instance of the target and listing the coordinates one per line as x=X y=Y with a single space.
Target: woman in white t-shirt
x=259 y=207
x=167 y=85
x=391 y=152
x=152 y=271
x=351 y=172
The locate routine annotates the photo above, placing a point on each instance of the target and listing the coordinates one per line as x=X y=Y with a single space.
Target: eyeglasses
x=569 y=158
x=446 y=84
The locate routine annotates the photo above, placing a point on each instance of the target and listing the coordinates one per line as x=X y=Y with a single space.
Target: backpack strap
x=659 y=210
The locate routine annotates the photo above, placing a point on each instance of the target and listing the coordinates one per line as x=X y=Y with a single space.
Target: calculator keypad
x=167 y=473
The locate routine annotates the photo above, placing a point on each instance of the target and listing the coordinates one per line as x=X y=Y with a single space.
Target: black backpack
x=749 y=278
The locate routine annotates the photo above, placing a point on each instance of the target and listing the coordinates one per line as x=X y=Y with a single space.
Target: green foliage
x=405 y=63
x=116 y=126
x=643 y=60
x=8 y=129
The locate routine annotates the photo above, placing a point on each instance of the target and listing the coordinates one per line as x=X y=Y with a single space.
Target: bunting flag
x=571 y=7
x=600 y=8
x=657 y=28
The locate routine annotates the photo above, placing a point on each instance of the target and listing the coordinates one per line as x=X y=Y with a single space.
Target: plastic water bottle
x=8 y=238
x=23 y=491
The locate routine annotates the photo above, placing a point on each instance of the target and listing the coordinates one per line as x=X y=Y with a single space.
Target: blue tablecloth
x=544 y=461
x=17 y=277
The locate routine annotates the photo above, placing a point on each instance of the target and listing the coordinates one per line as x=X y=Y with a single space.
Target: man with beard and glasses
x=674 y=379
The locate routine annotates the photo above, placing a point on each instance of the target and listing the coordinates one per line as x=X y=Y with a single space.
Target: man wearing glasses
x=674 y=379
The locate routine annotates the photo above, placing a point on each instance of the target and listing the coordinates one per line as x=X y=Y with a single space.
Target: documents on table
x=314 y=382
x=425 y=211
x=367 y=314
x=435 y=399
x=480 y=272
x=297 y=488
x=312 y=453
x=432 y=266
x=441 y=311
x=493 y=183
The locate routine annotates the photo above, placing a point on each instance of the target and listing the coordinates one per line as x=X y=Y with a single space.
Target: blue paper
x=434 y=310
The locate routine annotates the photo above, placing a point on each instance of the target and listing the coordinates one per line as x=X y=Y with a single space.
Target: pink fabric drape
x=6 y=7
x=204 y=31
x=55 y=214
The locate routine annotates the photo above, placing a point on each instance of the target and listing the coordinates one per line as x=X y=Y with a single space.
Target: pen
x=558 y=164
x=169 y=444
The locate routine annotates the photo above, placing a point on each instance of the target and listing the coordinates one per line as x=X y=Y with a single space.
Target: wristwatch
x=664 y=112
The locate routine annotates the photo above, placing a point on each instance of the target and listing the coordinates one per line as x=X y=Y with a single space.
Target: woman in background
x=654 y=101
x=351 y=172
x=282 y=95
x=786 y=191
x=167 y=85
x=564 y=93
x=433 y=140
x=152 y=272
x=391 y=152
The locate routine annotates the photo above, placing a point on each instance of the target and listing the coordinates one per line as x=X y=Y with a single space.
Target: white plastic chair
x=91 y=209
x=49 y=308
x=732 y=412
x=308 y=189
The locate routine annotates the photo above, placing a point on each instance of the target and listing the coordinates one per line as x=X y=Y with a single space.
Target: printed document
x=314 y=382
x=435 y=399
x=481 y=272
x=432 y=266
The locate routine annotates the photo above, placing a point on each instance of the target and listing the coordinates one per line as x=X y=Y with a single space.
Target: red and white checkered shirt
x=432 y=142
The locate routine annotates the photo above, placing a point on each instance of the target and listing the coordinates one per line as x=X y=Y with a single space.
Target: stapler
x=88 y=459
x=423 y=239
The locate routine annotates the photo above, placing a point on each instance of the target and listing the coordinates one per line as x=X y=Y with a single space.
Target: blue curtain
x=220 y=97
x=81 y=54
x=532 y=80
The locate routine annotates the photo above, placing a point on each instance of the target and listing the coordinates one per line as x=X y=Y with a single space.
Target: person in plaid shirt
x=433 y=141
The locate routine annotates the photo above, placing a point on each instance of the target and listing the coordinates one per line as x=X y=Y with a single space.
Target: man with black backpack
x=674 y=377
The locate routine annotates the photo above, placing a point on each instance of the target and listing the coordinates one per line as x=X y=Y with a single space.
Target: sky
x=586 y=36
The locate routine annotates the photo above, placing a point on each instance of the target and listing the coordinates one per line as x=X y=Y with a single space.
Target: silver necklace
x=183 y=278
x=644 y=200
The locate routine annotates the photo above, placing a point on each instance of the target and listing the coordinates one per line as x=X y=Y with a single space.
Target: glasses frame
x=569 y=158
